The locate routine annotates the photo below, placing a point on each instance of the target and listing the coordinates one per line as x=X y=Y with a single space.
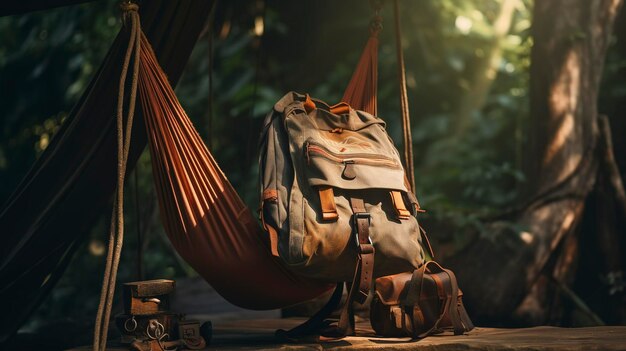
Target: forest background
x=468 y=76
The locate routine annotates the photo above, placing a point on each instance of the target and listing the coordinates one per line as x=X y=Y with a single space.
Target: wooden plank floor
x=258 y=334
x=238 y=329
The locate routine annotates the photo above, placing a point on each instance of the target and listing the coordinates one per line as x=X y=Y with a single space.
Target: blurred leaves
x=46 y=61
x=48 y=58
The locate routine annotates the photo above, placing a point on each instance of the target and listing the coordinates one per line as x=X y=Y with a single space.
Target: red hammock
x=205 y=219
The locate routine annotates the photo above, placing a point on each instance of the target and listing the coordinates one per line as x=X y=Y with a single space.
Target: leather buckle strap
x=327 y=203
x=361 y=222
x=398 y=204
x=364 y=269
x=365 y=262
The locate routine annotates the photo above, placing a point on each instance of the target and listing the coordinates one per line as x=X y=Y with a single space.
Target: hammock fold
x=362 y=90
x=204 y=217
x=72 y=182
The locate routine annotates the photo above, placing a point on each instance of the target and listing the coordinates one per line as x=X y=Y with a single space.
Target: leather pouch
x=424 y=302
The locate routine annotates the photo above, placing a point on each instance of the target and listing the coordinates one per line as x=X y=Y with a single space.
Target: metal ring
x=134 y=325
x=158 y=328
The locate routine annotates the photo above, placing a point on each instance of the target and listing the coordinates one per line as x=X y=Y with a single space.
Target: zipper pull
x=348 y=172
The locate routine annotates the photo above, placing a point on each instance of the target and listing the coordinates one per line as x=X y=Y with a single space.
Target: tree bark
x=570 y=42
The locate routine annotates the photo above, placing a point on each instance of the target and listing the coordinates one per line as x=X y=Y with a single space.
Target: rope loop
x=129 y=9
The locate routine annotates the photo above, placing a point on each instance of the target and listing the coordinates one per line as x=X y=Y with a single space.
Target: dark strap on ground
x=317 y=322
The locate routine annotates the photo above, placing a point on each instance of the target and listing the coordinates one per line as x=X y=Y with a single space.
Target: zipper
x=348 y=159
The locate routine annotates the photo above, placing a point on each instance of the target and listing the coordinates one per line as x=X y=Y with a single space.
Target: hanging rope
x=116 y=233
x=404 y=102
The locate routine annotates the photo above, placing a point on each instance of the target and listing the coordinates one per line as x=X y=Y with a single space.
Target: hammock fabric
x=361 y=92
x=204 y=217
x=70 y=185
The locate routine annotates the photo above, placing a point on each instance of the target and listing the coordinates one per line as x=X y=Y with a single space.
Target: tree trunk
x=570 y=42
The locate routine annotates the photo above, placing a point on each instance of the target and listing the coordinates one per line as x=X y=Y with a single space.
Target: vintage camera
x=148 y=324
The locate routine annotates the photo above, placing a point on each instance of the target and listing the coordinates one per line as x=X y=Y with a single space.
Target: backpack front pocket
x=352 y=168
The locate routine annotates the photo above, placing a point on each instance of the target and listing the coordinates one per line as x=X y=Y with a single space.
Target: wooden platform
x=238 y=329
x=258 y=334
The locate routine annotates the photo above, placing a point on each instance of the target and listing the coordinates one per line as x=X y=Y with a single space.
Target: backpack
x=334 y=196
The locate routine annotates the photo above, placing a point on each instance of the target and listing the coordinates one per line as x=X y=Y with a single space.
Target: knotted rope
x=116 y=233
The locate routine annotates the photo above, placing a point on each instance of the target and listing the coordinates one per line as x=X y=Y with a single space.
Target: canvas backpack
x=334 y=196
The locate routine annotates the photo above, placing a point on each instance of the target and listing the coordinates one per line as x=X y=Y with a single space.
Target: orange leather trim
x=273 y=239
x=271 y=231
x=270 y=194
x=309 y=105
x=327 y=201
x=398 y=204
x=338 y=109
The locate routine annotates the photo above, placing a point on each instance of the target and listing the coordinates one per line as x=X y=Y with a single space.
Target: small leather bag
x=419 y=304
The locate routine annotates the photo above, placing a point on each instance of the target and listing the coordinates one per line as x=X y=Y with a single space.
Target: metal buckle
x=355 y=222
x=358 y=215
x=358 y=242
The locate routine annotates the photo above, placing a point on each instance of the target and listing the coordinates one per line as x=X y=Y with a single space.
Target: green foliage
x=476 y=171
x=46 y=61
x=444 y=42
x=48 y=58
